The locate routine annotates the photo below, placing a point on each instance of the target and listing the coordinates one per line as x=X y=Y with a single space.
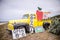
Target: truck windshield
x=25 y=16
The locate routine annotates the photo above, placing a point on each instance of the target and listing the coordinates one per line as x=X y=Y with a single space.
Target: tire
x=46 y=25
x=28 y=29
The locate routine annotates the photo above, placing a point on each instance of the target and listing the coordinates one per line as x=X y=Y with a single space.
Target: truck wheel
x=46 y=25
x=20 y=27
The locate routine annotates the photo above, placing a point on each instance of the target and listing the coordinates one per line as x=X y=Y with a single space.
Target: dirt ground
x=37 y=36
x=41 y=36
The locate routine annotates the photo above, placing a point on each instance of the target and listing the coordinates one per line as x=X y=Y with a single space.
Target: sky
x=14 y=9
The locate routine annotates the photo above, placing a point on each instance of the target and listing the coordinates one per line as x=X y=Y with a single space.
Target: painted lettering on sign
x=18 y=33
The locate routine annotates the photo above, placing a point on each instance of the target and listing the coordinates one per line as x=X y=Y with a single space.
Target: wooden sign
x=18 y=33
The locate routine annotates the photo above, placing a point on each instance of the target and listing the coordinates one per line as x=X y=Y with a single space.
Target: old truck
x=28 y=21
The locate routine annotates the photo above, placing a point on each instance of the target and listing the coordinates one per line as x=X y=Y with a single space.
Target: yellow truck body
x=36 y=23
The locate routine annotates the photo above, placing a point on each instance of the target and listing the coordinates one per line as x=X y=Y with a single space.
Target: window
x=25 y=16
